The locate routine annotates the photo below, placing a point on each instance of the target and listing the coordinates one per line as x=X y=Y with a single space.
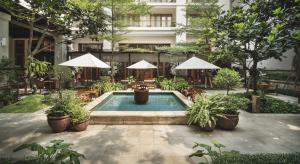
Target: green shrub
x=63 y=103
x=167 y=84
x=227 y=78
x=78 y=113
x=178 y=84
x=204 y=111
x=215 y=155
x=57 y=152
x=131 y=80
x=108 y=86
x=231 y=103
x=273 y=105
x=63 y=74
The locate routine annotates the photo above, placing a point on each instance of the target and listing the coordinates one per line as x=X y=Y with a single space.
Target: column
x=180 y=20
x=4 y=34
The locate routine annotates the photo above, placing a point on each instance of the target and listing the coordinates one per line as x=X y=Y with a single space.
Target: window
x=89 y=47
x=150 y=47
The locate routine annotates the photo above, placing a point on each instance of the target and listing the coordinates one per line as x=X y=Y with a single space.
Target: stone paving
x=157 y=144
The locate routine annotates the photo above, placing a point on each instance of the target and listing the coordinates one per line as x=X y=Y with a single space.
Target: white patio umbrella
x=142 y=65
x=195 y=63
x=87 y=60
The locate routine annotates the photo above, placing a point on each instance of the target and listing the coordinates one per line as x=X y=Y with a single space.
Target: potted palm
x=204 y=113
x=229 y=110
x=80 y=117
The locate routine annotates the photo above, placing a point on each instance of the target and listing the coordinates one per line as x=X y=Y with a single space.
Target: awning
x=142 y=65
x=196 y=63
x=87 y=60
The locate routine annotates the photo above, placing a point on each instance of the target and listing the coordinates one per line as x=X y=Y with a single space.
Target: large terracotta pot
x=229 y=122
x=141 y=95
x=81 y=126
x=209 y=128
x=59 y=123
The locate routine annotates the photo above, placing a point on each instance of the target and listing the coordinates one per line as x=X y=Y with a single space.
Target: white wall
x=274 y=64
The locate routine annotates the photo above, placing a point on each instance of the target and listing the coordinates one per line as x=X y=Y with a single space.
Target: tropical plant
x=63 y=103
x=58 y=152
x=231 y=103
x=109 y=86
x=208 y=153
x=36 y=69
x=180 y=84
x=167 y=84
x=78 y=113
x=63 y=74
x=215 y=155
x=227 y=78
x=204 y=111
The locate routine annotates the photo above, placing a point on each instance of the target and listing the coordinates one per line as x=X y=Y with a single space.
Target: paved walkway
x=153 y=143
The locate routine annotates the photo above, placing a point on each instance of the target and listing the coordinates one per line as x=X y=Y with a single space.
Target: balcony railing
x=152 y=23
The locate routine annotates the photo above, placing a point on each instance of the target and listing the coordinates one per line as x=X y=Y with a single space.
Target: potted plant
x=204 y=113
x=58 y=117
x=229 y=111
x=80 y=117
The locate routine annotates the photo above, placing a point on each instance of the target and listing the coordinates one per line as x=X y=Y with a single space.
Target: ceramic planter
x=228 y=122
x=209 y=128
x=81 y=126
x=58 y=123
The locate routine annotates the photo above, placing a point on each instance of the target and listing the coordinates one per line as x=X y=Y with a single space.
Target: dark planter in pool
x=229 y=122
x=141 y=95
x=58 y=123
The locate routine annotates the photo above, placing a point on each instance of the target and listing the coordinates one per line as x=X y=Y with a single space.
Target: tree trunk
x=129 y=63
x=254 y=74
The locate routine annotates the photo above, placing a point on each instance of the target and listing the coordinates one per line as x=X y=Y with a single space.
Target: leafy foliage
x=57 y=152
x=8 y=76
x=272 y=105
x=131 y=80
x=106 y=86
x=227 y=78
x=231 y=103
x=204 y=111
x=215 y=155
x=63 y=74
x=63 y=103
x=78 y=113
x=174 y=84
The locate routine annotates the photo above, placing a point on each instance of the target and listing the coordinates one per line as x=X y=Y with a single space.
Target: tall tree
x=257 y=30
x=58 y=16
x=200 y=15
x=119 y=13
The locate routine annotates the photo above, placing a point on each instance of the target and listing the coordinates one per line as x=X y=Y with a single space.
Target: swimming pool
x=124 y=101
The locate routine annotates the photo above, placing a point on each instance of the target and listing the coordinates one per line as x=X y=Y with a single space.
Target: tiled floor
x=112 y=144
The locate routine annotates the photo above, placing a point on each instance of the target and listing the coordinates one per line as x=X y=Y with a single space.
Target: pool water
x=156 y=102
